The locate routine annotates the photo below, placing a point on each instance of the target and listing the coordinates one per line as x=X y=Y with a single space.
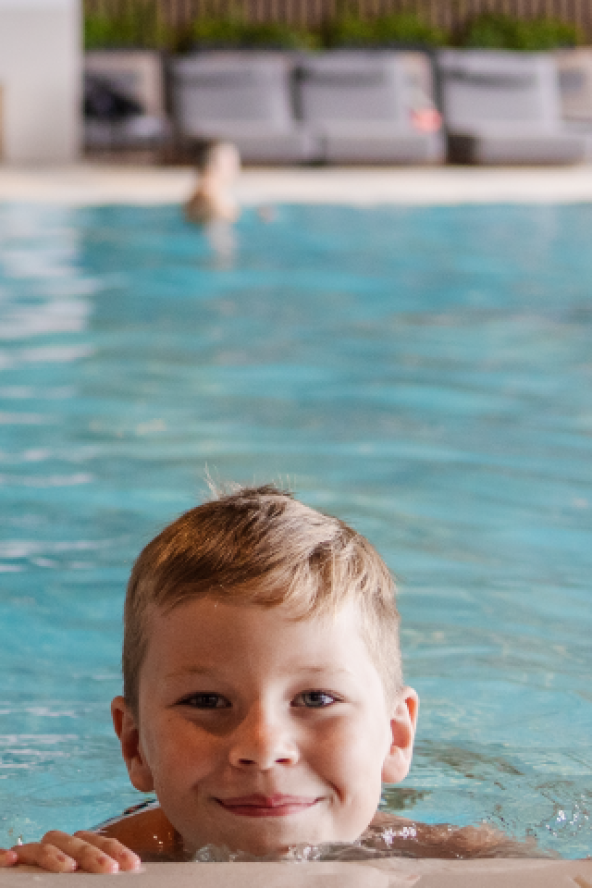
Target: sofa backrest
x=493 y=85
x=344 y=85
x=228 y=86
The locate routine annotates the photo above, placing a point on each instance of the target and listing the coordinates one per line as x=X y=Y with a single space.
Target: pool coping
x=96 y=184
x=386 y=873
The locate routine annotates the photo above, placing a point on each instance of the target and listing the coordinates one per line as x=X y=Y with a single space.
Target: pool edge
x=390 y=873
x=87 y=184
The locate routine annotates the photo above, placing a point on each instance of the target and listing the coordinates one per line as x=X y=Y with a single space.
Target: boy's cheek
x=175 y=759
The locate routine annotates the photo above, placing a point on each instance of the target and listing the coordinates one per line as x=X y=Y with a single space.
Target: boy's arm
x=120 y=845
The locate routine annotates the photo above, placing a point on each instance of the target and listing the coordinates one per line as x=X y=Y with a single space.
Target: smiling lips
x=267 y=806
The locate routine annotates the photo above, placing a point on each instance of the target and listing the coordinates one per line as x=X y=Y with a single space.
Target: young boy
x=263 y=697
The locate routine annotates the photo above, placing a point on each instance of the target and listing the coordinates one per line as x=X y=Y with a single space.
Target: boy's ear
x=127 y=730
x=403 y=724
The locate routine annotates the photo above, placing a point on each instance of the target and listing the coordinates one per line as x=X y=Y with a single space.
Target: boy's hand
x=59 y=852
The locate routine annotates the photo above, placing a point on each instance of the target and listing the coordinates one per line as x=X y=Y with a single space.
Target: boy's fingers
x=94 y=853
x=84 y=856
x=8 y=857
x=45 y=856
x=126 y=859
x=58 y=852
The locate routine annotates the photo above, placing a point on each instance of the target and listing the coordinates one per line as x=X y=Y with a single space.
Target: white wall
x=40 y=78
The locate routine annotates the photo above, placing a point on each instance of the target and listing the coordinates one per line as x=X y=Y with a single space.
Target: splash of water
x=410 y=840
x=373 y=844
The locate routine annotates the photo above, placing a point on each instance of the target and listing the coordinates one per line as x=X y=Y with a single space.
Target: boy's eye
x=205 y=701
x=314 y=699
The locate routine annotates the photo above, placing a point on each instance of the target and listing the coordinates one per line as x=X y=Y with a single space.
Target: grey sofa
x=245 y=97
x=375 y=107
x=504 y=108
x=575 y=89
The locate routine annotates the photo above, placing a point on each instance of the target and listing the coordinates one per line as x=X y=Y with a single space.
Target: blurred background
x=297 y=81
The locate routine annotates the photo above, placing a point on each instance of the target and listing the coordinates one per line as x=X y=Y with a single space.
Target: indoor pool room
x=423 y=372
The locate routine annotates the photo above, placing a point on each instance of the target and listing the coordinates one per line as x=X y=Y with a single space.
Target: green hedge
x=345 y=30
x=492 y=31
x=234 y=31
x=388 y=30
x=139 y=25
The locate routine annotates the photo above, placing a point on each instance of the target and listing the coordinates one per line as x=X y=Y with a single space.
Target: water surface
x=424 y=373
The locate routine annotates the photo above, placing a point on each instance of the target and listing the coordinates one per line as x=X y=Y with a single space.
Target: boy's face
x=259 y=732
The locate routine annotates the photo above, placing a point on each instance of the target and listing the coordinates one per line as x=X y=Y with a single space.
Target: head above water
x=260 y=547
x=218 y=159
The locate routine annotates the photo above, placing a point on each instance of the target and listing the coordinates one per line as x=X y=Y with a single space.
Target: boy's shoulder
x=412 y=838
x=144 y=829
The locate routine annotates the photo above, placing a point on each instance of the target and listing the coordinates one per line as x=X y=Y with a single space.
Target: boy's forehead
x=202 y=623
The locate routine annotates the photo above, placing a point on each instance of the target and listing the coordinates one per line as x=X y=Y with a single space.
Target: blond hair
x=260 y=546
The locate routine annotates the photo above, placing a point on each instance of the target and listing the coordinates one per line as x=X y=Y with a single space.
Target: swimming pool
x=425 y=373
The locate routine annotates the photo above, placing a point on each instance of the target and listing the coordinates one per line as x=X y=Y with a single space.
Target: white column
x=40 y=81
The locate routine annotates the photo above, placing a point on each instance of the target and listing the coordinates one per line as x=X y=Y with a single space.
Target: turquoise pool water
x=425 y=373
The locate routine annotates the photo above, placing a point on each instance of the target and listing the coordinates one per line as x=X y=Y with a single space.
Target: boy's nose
x=262 y=742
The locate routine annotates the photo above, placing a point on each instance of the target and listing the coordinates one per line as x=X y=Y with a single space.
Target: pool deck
x=97 y=184
x=379 y=874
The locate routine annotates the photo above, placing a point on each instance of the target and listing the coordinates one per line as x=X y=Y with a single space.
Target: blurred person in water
x=213 y=200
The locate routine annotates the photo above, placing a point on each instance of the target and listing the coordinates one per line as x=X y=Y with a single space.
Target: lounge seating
x=575 y=83
x=124 y=100
x=243 y=97
x=504 y=108
x=575 y=87
x=371 y=107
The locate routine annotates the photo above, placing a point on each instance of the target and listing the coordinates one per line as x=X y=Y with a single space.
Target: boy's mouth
x=267 y=806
